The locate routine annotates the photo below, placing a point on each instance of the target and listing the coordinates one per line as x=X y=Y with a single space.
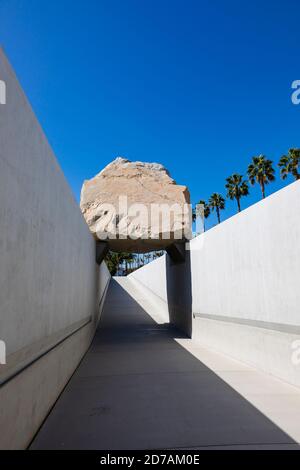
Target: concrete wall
x=245 y=283
x=245 y=277
x=50 y=284
x=153 y=276
x=172 y=285
x=248 y=267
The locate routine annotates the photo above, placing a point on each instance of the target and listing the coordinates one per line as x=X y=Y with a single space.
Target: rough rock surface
x=108 y=202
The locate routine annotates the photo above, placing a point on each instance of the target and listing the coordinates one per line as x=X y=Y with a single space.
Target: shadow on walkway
x=137 y=388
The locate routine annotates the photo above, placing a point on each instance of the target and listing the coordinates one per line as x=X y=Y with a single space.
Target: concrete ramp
x=145 y=385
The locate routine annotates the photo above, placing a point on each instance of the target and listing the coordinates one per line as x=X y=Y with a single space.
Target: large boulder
x=136 y=206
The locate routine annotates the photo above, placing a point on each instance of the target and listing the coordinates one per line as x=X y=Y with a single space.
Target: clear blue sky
x=200 y=86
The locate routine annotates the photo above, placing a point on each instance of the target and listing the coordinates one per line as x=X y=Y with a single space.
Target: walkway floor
x=143 y=385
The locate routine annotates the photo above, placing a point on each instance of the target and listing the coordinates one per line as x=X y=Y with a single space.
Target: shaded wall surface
x=51 y=289
x=171 y=282
x=245 y=276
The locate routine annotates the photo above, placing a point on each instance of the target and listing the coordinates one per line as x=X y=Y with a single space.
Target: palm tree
x=127 y=258
x=113 y=261
x=147 y=257
x=236 y=188
x=261 y=171
x=290 y=164
x=135 y=261
x=203 y=210
x=217 y=202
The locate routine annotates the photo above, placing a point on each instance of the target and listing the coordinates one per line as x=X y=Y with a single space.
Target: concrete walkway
x=144 y=385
